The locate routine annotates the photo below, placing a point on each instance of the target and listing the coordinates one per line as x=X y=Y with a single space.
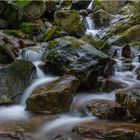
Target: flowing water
x=77 y=113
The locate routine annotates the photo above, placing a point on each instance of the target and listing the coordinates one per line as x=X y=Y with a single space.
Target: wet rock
x=54 y=97
x=106 y=109
x=110 y=84
x=73 y=56
x=120 y=134
x=113 y=134
x=110 y=6
x=14 y=79
x=52 y=33
x=70 y=21
x=131 y=99
x=102 y=18
x=78 y=4
x=88 y=132
x=126 y=51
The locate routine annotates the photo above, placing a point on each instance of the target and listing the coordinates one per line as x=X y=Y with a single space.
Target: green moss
x=52 y=33
x=25 y=27
x=136 y=43
x=22 y=3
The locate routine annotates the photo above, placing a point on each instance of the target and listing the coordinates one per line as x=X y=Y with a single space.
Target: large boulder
x=14 y=79
x=106 y=109
x=73 y=56
x=54 y=97
x=131 y=99
x=70 y=21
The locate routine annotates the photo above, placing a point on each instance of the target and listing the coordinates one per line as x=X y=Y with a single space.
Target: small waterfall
x=41 y=79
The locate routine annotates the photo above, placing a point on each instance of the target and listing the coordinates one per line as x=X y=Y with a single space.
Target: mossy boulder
x=130 y=35
x=70 y=21
x=102 y=18
x=98 y=43
x=54 y=97
x=52 y=33
x=14 y=79
x=131 y=99
x=110 y=6
x=106 y=109
x=74 y=56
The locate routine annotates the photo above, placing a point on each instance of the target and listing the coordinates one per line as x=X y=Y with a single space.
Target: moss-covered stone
x=70 y=21
x=102 y=18
x=52 y=33
x=96 y=42
x=14 y=79
x=33 y=28
x=130 y=35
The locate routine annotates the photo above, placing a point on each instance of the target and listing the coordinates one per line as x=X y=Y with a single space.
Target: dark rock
x=14 y=79
x=79 y=4
x=54 y=97
x=106 y=109
x=126 y=51
x=75 y=57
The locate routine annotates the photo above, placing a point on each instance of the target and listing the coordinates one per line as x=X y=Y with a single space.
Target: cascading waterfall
x=91 y=30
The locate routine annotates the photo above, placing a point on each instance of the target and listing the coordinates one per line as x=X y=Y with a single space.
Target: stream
x=63 y=123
